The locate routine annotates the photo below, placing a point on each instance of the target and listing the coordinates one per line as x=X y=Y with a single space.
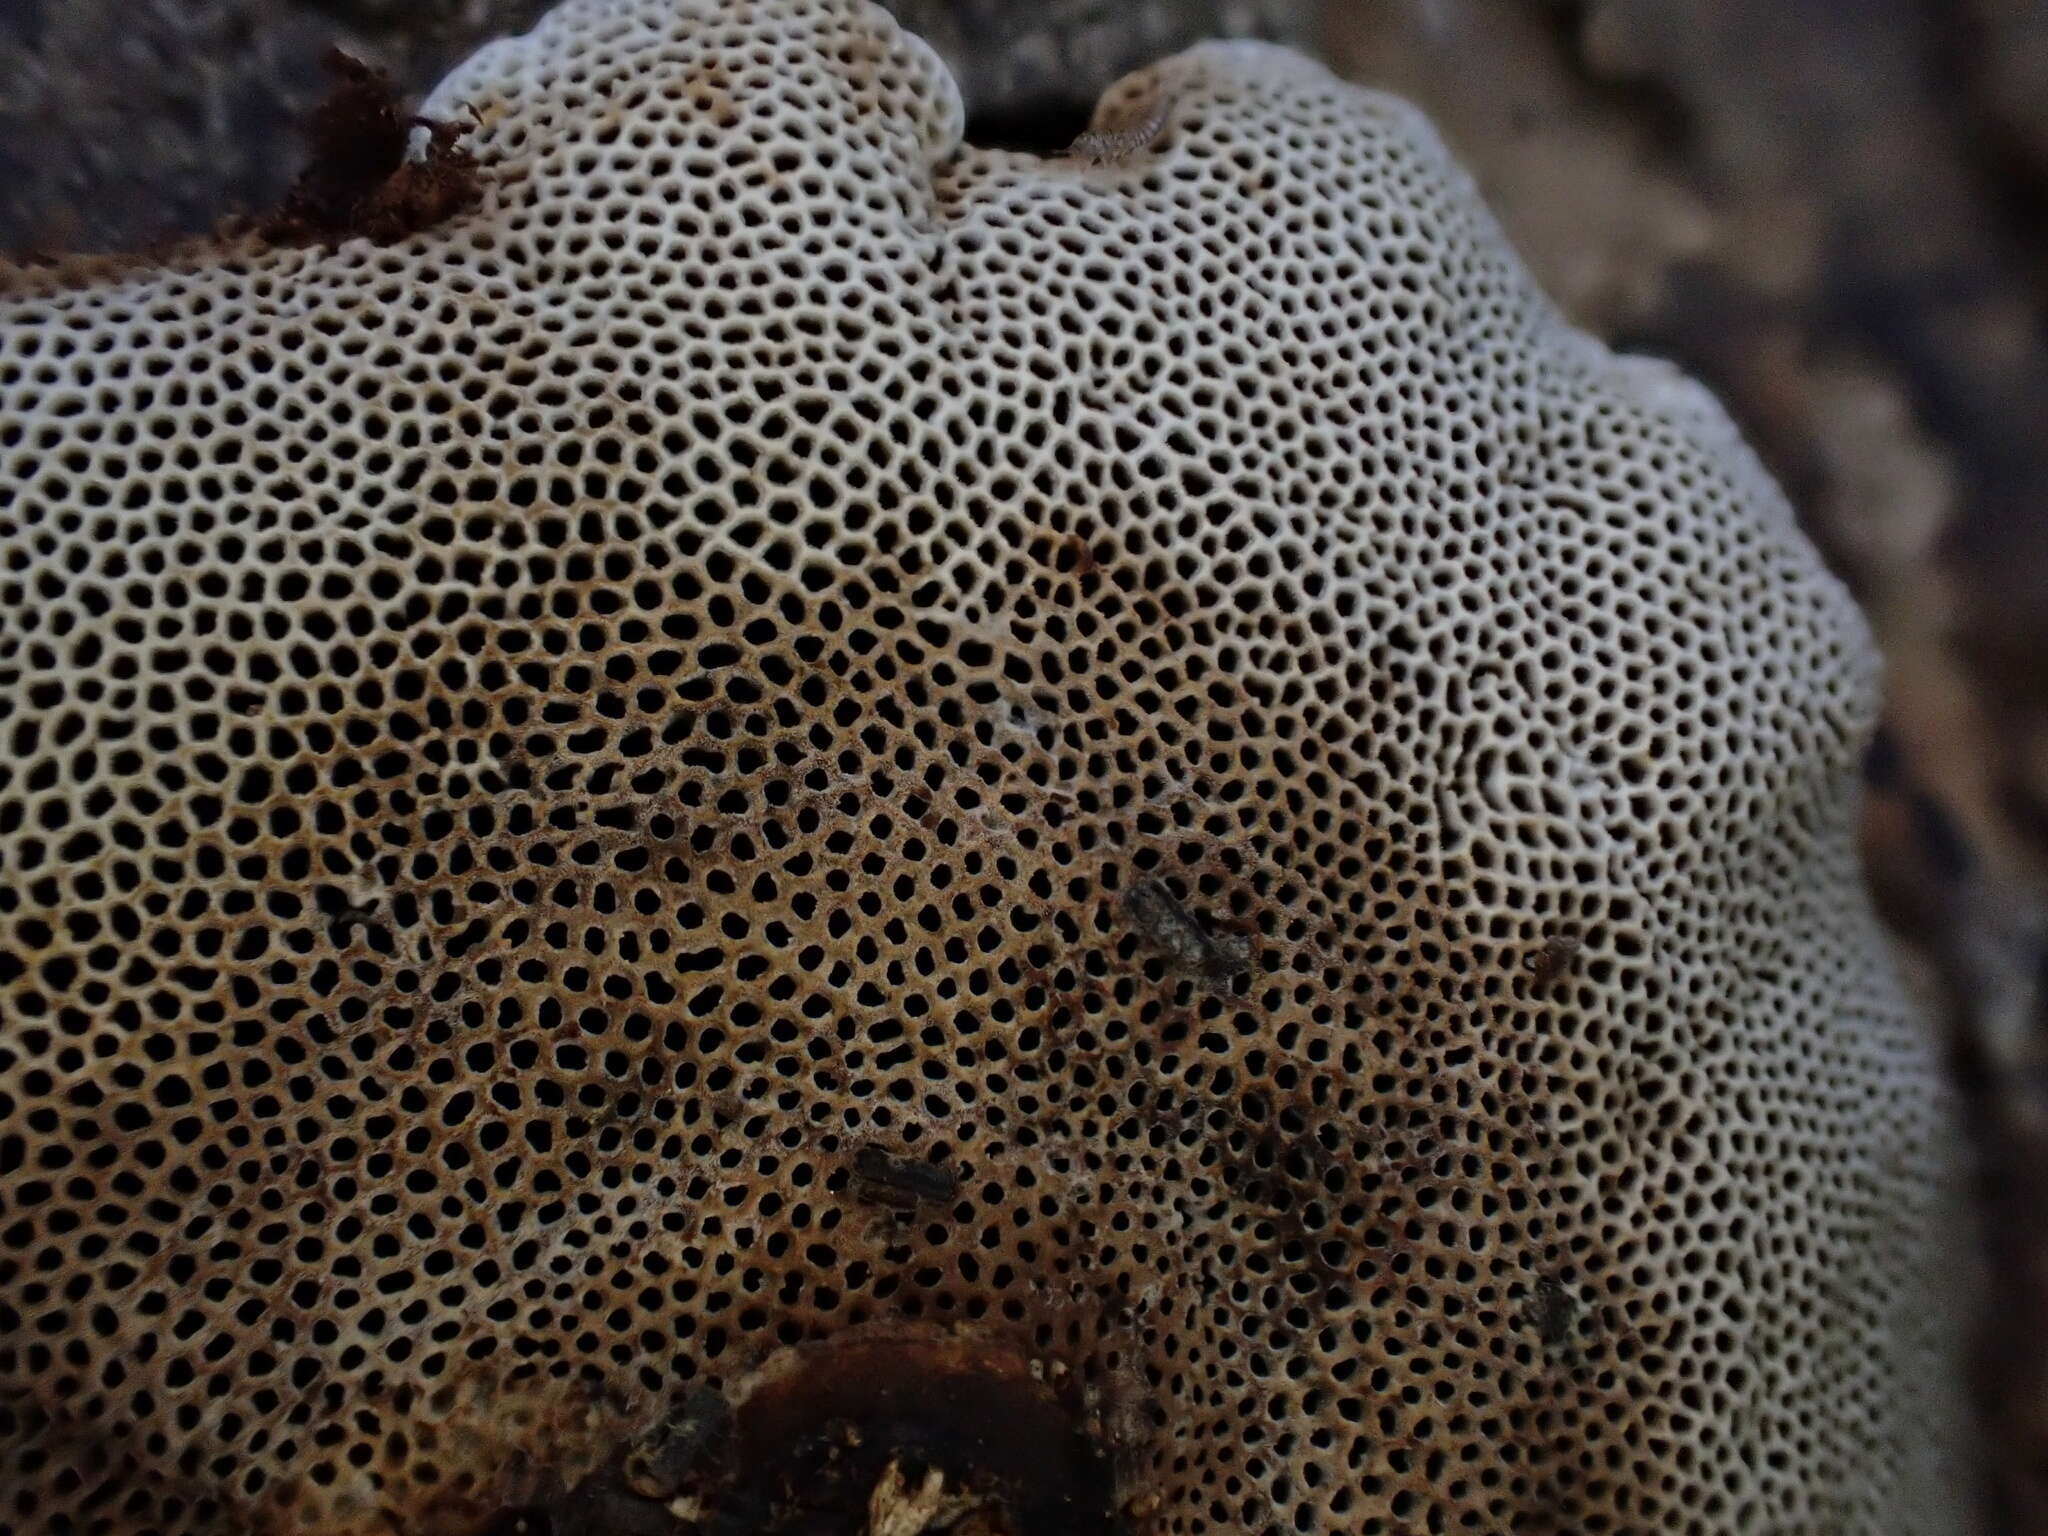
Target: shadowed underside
x=1144 y=770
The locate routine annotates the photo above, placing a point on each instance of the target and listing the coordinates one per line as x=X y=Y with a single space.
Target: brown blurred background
x=1834 y=211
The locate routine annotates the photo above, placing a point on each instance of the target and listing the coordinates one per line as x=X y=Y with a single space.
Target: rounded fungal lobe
x=1136 y=762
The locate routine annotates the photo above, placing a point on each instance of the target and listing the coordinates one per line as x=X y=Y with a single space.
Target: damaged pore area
x=900 y=1429
x=370 y=170
x=886 y=1429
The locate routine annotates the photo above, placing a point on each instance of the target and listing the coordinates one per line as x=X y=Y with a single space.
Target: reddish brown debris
x=359 y=178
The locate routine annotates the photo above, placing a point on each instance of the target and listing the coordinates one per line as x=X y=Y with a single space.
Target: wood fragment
x=371 y=171
x=896 y=1507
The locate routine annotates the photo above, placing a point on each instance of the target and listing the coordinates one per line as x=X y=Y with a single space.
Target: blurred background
x=1833 y=211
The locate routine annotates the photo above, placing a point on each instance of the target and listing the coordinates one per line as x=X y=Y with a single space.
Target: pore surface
x=1293 y=809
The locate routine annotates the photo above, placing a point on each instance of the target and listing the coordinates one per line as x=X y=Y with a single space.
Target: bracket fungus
x=1111 y=678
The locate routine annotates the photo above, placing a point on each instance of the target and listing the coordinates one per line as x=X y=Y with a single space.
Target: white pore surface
x=528 y=748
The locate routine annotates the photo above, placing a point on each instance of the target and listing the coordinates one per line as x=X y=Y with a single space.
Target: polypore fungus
x=797 y=809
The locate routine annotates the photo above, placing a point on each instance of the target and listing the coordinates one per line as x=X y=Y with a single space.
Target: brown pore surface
x=530 y=750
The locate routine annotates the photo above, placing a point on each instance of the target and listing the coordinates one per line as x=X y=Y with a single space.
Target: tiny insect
x=901 y=1183
x=1550 y=961
x=1554 y=1312
x=1080 y=553
x=1187 y=943
x=1114 y=146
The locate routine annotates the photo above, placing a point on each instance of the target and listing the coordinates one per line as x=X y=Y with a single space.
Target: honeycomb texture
x=1177 y=694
